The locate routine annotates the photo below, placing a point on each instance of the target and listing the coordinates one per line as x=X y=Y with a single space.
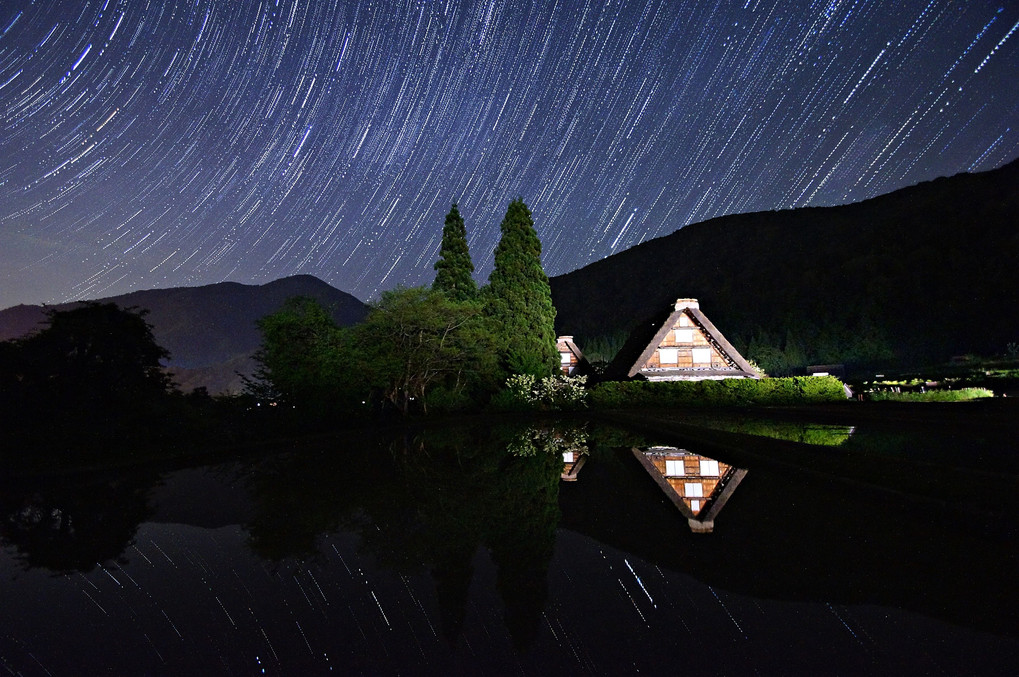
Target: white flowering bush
x=555 y=440
x=550 y=393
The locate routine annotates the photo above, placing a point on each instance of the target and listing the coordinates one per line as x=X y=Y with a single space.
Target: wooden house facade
x=683 y=346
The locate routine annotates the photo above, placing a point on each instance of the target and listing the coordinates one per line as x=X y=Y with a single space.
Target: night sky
x=156 y=143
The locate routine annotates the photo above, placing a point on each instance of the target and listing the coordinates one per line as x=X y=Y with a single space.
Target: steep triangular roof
x=636 y=356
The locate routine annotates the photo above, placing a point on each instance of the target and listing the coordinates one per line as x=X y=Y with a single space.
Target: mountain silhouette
x=211 y=330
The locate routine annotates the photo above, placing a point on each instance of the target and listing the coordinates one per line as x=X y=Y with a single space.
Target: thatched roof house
x=571 y=360
x=679 y=345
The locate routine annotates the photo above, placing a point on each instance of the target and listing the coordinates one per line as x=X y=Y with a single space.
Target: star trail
x=157 y=143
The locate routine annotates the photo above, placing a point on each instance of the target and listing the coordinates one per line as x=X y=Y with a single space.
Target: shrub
x=726 y=392
x=526 y=392
x=444 y=399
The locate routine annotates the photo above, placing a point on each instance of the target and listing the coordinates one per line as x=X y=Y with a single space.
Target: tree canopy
x=445 y=346
x=412 y=342
x=95 y=363
x=303 y=357
x=519 y=300
x=417 y=338
x=93 y=354
x=454 y=267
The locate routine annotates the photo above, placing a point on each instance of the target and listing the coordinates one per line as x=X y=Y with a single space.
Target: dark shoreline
x=994 y=419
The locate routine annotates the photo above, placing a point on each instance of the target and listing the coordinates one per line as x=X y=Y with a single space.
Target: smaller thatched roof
x=565 y=344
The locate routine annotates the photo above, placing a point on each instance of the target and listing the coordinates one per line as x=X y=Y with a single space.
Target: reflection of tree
x=288 y=520
x=437 y=497
x=523 y=539
x=452 y=571
x=443 y=481
x=299 y=497
x=74 y=526
x=470 y=489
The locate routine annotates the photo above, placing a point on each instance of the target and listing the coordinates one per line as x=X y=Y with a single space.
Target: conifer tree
x=454 y=267
x=519 y=300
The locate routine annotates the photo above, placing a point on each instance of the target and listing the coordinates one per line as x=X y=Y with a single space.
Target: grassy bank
x=960 y=395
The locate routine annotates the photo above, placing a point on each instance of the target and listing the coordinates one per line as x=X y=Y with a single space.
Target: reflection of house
x=682 y=346
x=573 y=461
x=699 y=486
x=571 y=359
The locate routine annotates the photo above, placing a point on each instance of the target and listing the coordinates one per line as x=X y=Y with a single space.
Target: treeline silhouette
x=90 y=388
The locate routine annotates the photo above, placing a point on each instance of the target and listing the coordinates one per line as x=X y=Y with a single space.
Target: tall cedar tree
x=519 y=299
x=454 y=267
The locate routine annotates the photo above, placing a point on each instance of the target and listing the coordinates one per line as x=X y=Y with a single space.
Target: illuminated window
x=668 y=355
x=684 y=336
x=674 y=468
x=709 y=468
x=694 y=490
x=701 y=355
x=564 y=358
x=695 y=506
x=684 y=321
x=567 y=457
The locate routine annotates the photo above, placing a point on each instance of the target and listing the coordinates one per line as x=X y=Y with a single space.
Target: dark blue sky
x=154 y=143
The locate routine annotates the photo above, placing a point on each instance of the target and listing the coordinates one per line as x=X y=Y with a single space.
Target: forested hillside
x=921 y=274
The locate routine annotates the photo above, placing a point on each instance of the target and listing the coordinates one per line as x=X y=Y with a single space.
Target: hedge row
x=724 y=393
x=961 y=395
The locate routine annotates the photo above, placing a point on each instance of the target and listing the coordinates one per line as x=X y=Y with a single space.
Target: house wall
x=685 y=342
x=567 y=361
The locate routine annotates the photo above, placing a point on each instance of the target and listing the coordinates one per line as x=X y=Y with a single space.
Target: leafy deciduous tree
x=416 y=338
x=304 y=357
x=96 y=363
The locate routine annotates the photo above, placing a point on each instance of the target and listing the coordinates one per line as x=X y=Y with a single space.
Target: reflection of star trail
x=242 y=614
x=634 y=602
x=727 y=612
x=153 y=144
x=640 y=583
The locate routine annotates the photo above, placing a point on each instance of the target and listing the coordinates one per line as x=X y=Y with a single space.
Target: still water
x=519 y=548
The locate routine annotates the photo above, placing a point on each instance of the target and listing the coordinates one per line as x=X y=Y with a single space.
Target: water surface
x=463 y=550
